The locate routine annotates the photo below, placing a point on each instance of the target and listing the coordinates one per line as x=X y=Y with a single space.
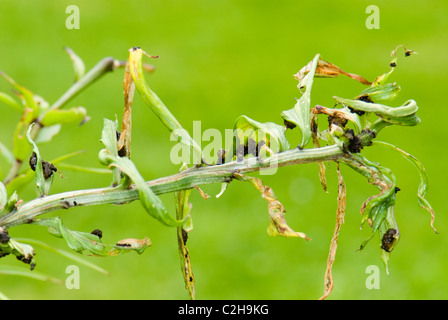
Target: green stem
x=102 y=67
x=186 y=179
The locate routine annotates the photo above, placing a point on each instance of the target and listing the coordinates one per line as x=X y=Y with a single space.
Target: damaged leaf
x=423 y=186
x=326 y=69
x=340 y=215
x=124 y=142
x=300 y=114
x=277 y=225
x=90 y=243
x=183 y=208
x=157 y=106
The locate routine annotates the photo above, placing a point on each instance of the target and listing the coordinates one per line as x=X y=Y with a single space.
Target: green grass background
x=218 y=60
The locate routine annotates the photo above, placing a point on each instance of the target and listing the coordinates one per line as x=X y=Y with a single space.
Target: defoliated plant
x=353 y=124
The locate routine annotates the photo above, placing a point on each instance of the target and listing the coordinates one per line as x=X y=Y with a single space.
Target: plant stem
x=186 y=179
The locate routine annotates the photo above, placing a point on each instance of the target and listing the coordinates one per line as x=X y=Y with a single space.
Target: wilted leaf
x=124 y=143
x=300 y=114
x=343 y=113
x=109 y=139
x=277 y=225
x=69 y=255
x=380 y=93
x=404 y=115
x=157 y=106
x=270 y=134
x=44 y=170
x=340 y=214
x=90 y=243
x=316 y=143
x=326 y=69
x=149 y=200
x=183 y=208
x=423 y=186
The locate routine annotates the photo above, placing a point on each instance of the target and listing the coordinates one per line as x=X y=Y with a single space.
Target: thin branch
x=186 y=179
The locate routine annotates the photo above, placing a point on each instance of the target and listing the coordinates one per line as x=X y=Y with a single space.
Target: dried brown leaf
x=340 y=214
x=277 y=225
x=124 y=143
x=316 y=143
x=326 y=69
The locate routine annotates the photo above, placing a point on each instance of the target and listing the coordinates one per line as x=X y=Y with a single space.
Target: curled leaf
x=300 y=114
x=405 y=115
x=340 y=214
x=157 y=106
x=44 y=170
x=251 y=135
x=326 y=69
x=380 y=93
x=124 y=142
x=183 y=208
x=149 y=200
x=277 y=225
x=423 y=186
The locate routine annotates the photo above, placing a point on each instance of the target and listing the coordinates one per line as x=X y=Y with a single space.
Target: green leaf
x=42 y=182
x=149 y=200
x=11 y=102
x=23 y=252
x=27 y=95
x=21 y=147
x=380 y=80
x=65 y=116
x=157 y=106
x=78 y=64
x=3 y=196
x=423 y=186
x=300 y=114
x=404 y=115
x=271 y=133
x=83 y=242
x=109 y=139
x=380 y=93
x=25 y=177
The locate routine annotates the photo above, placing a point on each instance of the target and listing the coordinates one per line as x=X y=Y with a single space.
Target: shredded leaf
x=340 y=214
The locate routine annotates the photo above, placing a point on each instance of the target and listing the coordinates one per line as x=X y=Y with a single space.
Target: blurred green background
x=218 y=60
